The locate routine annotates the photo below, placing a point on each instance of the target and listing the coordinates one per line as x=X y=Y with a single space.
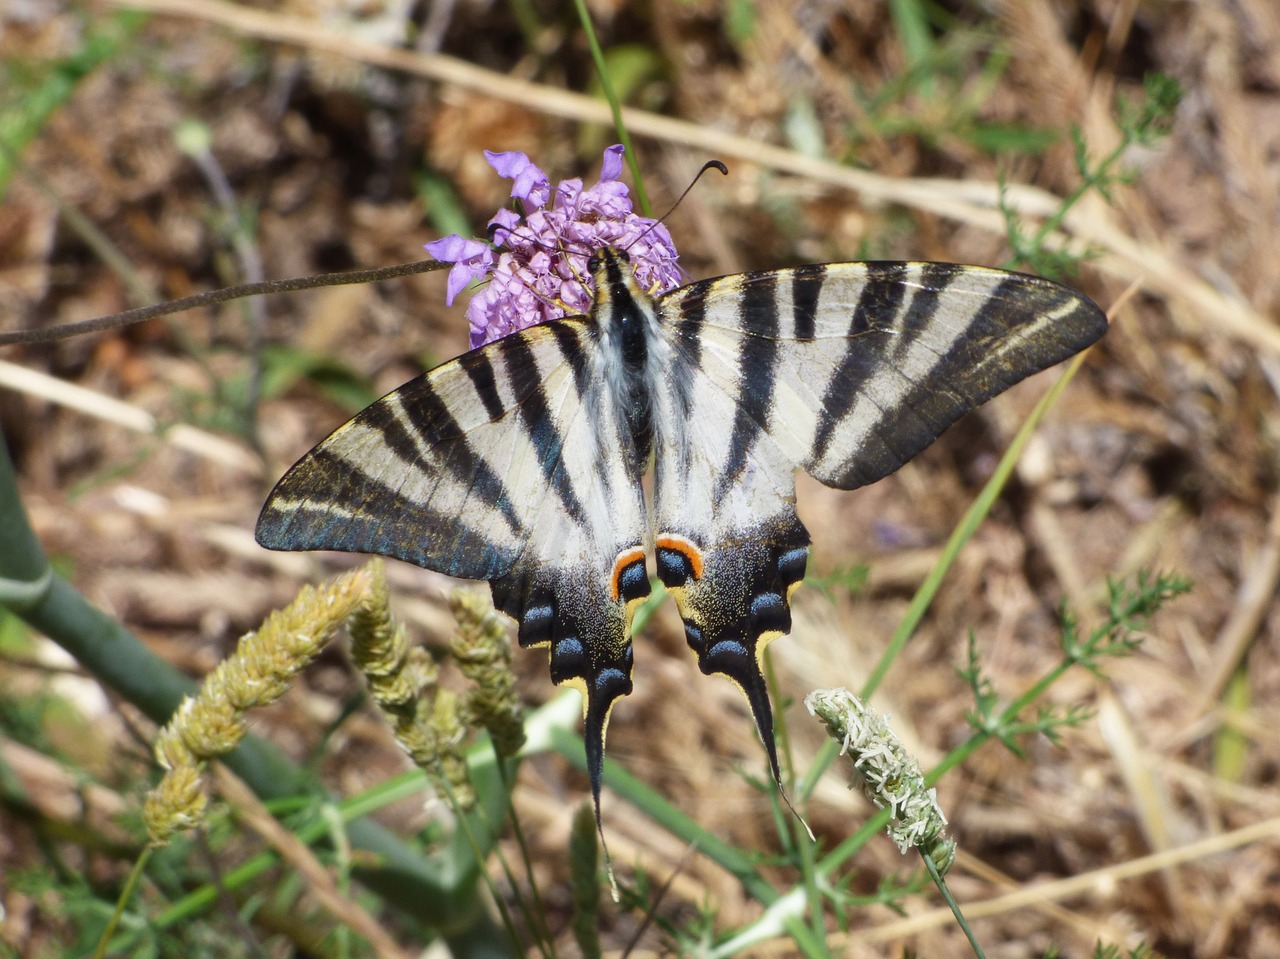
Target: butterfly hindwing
x=728 y=545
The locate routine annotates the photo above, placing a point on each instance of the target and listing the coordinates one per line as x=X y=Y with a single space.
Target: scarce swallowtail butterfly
x=521 y=461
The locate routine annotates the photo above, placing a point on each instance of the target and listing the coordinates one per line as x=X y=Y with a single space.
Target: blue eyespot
x=729 y=648
x=612 y=682
x=568 y=646
x=538 y=616
x=632 y=582
x=674 y=568
x=769 y=613
x=765 y=604
x=536 y=623
x=791 y=565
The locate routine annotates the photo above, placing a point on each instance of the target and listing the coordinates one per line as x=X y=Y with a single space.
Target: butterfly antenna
x=709 y=165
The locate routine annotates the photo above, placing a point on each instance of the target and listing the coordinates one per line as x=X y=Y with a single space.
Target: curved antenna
x=709 y=165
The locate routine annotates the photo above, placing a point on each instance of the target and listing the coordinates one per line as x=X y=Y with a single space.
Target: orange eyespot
x=685 y=548
x=619 y=583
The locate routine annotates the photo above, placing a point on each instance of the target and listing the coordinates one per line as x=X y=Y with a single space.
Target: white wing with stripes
x=511 y=463
x=846 y=371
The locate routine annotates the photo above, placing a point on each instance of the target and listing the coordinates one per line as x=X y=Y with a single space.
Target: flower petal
x=531 y=185
x=471 y=260
x=611 y=168
x=454 y=248
x=503 y=224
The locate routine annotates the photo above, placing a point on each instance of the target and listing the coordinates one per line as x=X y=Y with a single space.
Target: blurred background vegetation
x=148 y=155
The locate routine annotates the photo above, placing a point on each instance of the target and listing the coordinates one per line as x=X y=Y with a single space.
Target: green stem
x=1089 y=180
x=126 y=893
x=940 y=881
x=569 y=745
x=615 y=106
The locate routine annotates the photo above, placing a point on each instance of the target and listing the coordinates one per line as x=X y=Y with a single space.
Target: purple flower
x=532 y=187
x=471 y=260
x=541 y=272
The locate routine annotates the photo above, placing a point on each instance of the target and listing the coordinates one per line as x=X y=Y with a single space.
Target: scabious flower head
x=540 y=271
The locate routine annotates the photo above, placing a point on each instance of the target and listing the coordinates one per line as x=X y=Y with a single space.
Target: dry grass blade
x=111 y=410
x=1267 y=831
x=296 y=853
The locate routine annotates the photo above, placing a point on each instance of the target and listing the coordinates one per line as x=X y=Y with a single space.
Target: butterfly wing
x=506 y=464
x=844 y=370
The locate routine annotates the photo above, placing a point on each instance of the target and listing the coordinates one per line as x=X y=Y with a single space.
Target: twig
x=296 y=853
x=112 y=410
x=1253 y=602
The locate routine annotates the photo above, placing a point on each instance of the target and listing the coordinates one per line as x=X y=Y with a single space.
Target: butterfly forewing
x=509 y=464
x=880 y=358
x=420 y=475
x=520 y=462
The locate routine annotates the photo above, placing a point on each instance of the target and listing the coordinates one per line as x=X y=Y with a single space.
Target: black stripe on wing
x=411 y=476
x=535 y=417
x=878 y=303
x=806 y=285
x=757 y=363
x=478 y=365
x=1023 y=325
x=437 y=427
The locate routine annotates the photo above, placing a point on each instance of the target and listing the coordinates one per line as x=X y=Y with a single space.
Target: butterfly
x=521 y=462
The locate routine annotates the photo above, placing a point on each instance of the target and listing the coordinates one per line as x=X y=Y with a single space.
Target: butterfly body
x=521 y=462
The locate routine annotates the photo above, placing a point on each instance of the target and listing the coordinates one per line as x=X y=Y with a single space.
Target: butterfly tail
x=588 y=635
x=731 y=660
x=734 y=602
x=601 y=693
x=602 y=684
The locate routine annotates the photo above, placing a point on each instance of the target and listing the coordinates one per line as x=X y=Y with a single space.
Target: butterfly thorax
x=626 y=323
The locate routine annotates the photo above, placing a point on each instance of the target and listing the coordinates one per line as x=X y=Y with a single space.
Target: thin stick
x=213 y=297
